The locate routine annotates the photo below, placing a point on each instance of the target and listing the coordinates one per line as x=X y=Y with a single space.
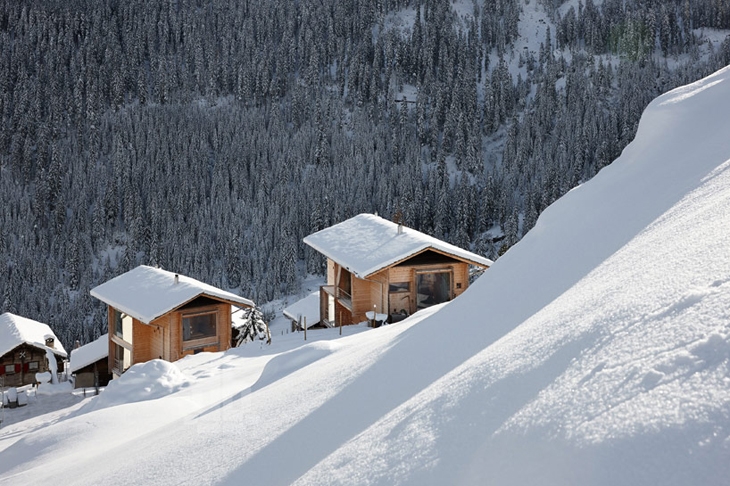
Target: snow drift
x=143 y=381
x=596 y=351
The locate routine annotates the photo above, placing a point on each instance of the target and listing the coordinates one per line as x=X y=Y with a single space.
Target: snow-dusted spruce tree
x=251 y=327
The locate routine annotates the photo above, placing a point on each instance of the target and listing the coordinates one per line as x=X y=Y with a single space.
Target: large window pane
x=433 y=288
x=199 y=327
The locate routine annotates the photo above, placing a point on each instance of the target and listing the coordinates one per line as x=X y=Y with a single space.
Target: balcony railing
x=340 y=295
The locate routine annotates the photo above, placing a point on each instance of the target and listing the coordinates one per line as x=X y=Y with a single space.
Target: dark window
x=117 y=323
x=345 y=283
x=433 y=288
x=399 y=287
x=199 y=326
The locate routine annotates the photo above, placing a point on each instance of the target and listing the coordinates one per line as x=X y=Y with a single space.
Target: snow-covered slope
x=624 y=378
x=596 y=351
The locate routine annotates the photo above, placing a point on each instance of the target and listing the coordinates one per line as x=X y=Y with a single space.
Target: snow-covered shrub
x=250 y=327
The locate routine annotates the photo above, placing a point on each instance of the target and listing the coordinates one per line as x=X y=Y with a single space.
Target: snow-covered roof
x=16 y=330
x=89 y=353
x=365 y=244
x=147 y=293
x=307 y=307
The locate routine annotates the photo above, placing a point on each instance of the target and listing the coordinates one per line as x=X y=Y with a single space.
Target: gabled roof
x=307 y=307
x=89 y=353
x=146 y=293
x=16 y=330
x=366 y=244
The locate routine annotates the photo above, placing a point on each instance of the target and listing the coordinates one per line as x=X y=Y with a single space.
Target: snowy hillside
x=596 y=351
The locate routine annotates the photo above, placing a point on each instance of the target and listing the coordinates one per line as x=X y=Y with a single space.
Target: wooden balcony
x=332 y=302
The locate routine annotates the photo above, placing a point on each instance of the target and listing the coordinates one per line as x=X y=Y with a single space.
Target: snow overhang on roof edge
x=133 y=293
x=375 y=234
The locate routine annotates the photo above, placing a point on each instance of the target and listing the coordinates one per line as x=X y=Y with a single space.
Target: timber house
x=27 y=347
x=156 y=314
x=375 y=266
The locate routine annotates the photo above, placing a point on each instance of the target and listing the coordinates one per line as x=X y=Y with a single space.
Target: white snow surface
x=366 y=244
x=147 y=293
x=595 y=352
x=89 y=353
x=17 y=330
x=143 y=381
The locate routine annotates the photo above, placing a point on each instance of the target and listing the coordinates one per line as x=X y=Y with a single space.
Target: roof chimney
x=50 y=339
x=177 y=279
x=400 y=228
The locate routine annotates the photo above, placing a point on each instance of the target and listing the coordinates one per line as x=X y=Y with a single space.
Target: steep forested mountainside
x=210 y=137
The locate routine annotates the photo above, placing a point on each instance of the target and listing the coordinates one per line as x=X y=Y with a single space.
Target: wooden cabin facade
x=424 y=280
x=374 y=265
x=203 y=324
x=154 y=314
x=26 y=346
x=19 y=366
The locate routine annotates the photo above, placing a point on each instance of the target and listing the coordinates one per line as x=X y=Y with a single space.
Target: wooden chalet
x=375 y=266
x=89 y=364
x=153 y=313
x=27 y=347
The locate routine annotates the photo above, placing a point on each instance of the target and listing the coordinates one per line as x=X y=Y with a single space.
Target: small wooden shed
x=153 y=313
x=375 y=265
x=89 y=364
x=27 y=347
x=304 y=310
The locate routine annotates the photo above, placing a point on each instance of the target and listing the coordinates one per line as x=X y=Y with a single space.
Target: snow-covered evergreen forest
x=210 y=136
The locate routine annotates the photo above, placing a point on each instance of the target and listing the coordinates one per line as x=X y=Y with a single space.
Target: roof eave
x=40 y=346
x=149 y=319
x=372 y=272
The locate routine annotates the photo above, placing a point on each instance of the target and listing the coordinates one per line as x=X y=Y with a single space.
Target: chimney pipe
x=177 y=279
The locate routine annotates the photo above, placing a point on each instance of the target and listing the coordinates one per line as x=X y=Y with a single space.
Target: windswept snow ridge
x=622 y=379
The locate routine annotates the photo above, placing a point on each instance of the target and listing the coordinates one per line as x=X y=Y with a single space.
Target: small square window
x=33 y=366
x=9 y=369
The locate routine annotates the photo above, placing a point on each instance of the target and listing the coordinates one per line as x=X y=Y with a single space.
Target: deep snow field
x=595 y=351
